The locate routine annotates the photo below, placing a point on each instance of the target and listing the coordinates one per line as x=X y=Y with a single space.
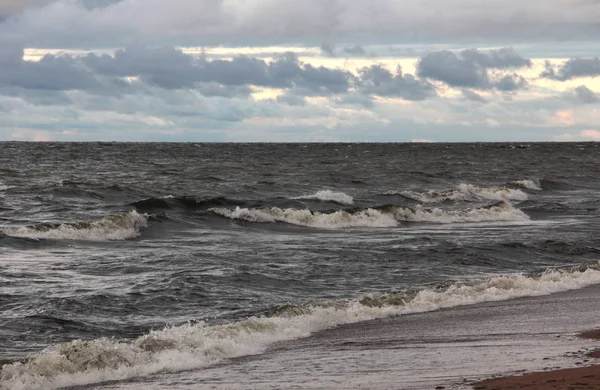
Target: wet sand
x=569 y=379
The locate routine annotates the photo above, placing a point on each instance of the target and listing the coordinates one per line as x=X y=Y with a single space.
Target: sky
x=300 y=70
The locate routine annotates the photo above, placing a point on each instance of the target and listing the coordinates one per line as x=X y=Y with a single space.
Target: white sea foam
x=338 y=219
x=467 y=192
x=328 y=195
x=114 y=227
x=374 y=218
x=529 y=184
x=501 y=212
x=199 y=345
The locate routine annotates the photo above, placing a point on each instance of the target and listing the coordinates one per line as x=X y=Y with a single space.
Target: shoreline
x=578 y=378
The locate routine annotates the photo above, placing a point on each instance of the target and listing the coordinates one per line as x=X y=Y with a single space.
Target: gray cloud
x=214 y=22
x=328 y=49
x=473 y=96
x=53 y=73
x=582 y=94
x=355 y=51
x=354 y=99
x=469 y=68
x=92 y=4
x=573 y=68
x=169 y=68
x=8 y=7
x=376 y=80
x=291 y=99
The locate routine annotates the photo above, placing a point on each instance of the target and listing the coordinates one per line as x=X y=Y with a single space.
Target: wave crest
x=197 y=345
x=466 y=193
x=328 y=195
x=116 y=227
x=305 y=217
x=501 y=211
x=387 y=216
x=528 y=184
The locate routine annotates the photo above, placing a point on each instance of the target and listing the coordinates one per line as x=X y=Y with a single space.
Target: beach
x=452 y=348
x=584 y=378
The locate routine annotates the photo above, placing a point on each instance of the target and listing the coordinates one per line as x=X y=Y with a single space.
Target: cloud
x=470 y=68
x=582 y=94
x=583 y=135
x=328 y=49
x=8 y=7
x=376 y=80
x=572 y=68
x=88 y=23
x=473 y=96
x=169 y=68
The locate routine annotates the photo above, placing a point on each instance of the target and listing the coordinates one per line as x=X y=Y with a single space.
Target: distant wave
x=198 y=345
x=465 y=192
x=113 y=227
x=328 y=195
x=387 y=216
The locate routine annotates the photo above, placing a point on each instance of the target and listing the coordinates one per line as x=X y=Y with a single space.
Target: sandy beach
x=575 y=378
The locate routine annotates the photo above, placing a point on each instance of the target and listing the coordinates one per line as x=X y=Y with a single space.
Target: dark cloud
x=212 y=89
x=169 y=68
x=354 y=99
x=38 y=97
x=473 y=96
x=469 y=68
x=328 y=49
x=510 y=83
x=505 y=58
x=582 y=94
x=573 y=68
x=355 y=51
x=93 y=4
x=291 y=99
x=53 y=73
x=268 y=22
x=376 y=80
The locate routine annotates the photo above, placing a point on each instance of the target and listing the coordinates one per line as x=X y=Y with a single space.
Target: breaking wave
x=529 y=184
x=337 y=219
x=328 y=195
x=122 y=226
x=197 y=345
x=502 y=211
x=465 y=192
x=386 y=216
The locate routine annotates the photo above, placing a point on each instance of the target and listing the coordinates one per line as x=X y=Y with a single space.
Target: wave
x=384 y=216
x=328 y=195
x=528 y=184
x=122 y=226
x=197 y=345
x=465 y=193
x=501 y=211
x=305 y=217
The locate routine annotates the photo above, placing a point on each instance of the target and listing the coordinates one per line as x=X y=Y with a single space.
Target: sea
x=276 y=266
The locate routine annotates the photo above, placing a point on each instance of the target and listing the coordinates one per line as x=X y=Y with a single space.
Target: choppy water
x=124 y=260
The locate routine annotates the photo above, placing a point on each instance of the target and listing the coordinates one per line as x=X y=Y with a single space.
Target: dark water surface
x=125 y=260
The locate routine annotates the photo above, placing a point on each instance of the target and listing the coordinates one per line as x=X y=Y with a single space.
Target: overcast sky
x=300 y=70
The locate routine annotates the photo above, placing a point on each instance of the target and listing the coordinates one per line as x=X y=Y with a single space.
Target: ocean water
x=160 y=265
